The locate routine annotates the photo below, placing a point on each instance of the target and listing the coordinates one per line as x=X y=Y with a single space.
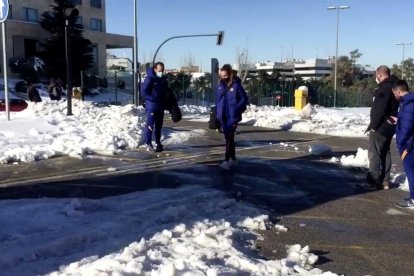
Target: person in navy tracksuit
x=231 y=102
x=405 y=136
x=155 y=89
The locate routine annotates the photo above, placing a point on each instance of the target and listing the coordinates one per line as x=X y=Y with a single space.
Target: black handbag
x=176 y=114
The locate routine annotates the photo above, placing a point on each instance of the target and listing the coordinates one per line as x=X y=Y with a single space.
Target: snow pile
x=192 y=230
x=359 y=160
x=194 y=110
x=50 y=132
x=319 y=149
x=350 y=122
x=307 y=112
x=44 y=130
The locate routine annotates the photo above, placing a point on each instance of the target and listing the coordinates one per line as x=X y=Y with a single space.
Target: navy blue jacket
x=405 y=123
x=231 y=102
x=154 y=91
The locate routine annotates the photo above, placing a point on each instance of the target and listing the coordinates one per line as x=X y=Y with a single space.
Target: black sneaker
x=159 y=148
x=406 y=203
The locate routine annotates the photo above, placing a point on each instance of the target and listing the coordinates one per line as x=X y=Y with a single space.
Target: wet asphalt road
x=355 y=233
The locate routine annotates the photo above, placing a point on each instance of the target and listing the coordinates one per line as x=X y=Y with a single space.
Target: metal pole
x=82 y=88
x=185 y=94
x=116 y=88
x=6 y=86
x=82 y=79
x=134 y=55
x=336 y=55
x=68 y=69
x=402 y=64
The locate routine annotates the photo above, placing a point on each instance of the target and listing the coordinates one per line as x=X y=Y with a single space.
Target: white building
x=313 y=68
x=115 y=63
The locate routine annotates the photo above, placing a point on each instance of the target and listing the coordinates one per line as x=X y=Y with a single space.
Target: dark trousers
x=229 y=131
x=155 y=120
x=379 y=156
x=408 y=163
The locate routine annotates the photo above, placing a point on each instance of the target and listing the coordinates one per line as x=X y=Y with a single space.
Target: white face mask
x=159 y=74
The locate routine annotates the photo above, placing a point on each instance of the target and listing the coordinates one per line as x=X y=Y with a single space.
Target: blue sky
x=264 y=27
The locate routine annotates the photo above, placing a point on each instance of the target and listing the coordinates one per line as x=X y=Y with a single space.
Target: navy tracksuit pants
x=229 y=131
x=408 y=163
x=155 y=120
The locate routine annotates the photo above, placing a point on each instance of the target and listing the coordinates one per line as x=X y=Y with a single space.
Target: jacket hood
x=409 y=97
x=236 y=79
x=150 y=72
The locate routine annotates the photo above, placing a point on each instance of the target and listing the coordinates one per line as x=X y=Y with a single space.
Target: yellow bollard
x=301 y=95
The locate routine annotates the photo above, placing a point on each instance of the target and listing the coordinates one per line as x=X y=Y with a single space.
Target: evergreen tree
x=53 y=52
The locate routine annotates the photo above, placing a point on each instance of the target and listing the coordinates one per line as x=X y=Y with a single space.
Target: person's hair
x=160 y=64
x=384 y=70
x=229 y=70
x=401 y=85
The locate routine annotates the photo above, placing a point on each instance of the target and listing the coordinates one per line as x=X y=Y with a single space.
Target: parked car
x=16 y=103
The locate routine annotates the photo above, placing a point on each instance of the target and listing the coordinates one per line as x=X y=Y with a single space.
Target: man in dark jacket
x=231 y=102
x=405 y=136
x=154 y=90
x=381 y=130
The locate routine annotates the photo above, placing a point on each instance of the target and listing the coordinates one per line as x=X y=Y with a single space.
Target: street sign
x=4 y=10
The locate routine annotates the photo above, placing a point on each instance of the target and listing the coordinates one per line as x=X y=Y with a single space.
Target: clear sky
x=269 y=29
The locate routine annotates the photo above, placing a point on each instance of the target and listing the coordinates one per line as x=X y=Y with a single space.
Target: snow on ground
x=191 y=230
x=350 y=122
x=359 y=160
x=43 y=130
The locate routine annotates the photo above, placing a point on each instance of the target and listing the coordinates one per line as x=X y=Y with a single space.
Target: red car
x=15 y=103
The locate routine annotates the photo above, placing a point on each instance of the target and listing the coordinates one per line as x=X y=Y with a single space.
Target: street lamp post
x=69 y=21
x=135 y=73
x=337 y=8
x=403 y=44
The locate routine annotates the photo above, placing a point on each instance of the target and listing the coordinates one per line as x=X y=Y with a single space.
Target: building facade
x=24 y=32
x=313 y=68
x=116 y=63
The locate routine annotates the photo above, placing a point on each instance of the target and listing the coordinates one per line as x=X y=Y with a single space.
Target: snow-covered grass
x=192 y=230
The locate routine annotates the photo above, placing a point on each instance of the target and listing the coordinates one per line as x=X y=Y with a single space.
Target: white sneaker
x=225 y=165
x=233 y=163
x=147 y=147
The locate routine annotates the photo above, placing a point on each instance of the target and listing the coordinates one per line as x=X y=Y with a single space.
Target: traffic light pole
x=219 y=35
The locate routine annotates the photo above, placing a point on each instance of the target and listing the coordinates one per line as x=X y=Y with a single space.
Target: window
x=96 y=3
x=30 y=15
x=96 y=24
x=30 y=47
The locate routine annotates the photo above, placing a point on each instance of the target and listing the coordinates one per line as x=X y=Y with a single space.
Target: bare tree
x=243 y=63
x=188 y=61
